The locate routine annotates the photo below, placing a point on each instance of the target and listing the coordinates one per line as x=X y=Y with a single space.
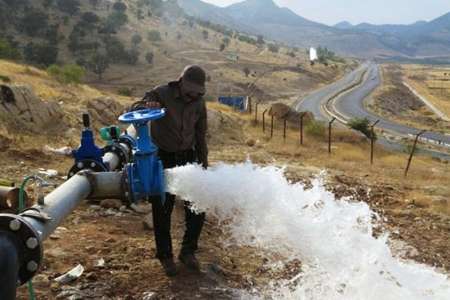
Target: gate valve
x=145 y=176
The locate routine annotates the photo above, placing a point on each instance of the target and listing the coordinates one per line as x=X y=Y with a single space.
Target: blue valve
x=145 y=176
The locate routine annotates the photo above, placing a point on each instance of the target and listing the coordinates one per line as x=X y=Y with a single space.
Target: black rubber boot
x=189 y=260
x=169 y=266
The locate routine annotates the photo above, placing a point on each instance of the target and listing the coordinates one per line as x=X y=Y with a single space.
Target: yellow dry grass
x=427 y=179
x=431 y=83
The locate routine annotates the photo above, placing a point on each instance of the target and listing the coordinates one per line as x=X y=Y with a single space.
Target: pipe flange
x=87 y=164
x=120 y=151
x=29 y=246
x=128 y=194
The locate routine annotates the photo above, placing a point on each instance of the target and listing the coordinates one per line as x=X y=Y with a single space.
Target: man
x=181 y=139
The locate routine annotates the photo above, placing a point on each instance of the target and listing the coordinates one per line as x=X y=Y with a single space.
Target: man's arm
x=201 y=146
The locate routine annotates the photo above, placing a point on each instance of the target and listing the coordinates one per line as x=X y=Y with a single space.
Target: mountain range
x=264 y=17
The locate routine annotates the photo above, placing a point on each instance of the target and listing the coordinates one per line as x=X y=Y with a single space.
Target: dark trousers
x=162 y=213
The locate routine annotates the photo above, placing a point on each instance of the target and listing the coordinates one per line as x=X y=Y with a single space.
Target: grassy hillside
x=136 y=44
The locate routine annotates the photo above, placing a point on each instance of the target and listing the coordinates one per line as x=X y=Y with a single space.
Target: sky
x=331 y=12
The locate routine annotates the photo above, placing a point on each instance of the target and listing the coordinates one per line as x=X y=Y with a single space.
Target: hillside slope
x=134 y=45
x=364 y=40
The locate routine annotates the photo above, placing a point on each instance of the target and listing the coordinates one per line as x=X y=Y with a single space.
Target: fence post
x=256 y=113
x=372 y=140
x=249 y=103
x=412 y=152
x=284 y=129
x=329 y=134
x=271 y=128
x=264 y=120
x=301 y=127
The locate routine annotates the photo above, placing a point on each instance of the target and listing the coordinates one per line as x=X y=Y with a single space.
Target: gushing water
x=332 y=238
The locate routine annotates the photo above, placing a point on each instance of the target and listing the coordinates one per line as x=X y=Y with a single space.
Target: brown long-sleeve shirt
x=185 y=124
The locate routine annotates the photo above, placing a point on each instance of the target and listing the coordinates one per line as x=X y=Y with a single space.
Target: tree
x=113 y=22
x=41 y=54
x=246 y=71
x=222 y=47
x=362 y=125
x=70 y=7
x=120 y=6
x=94 y=3
x=226 y=41
x=98 y=64
x=33 y=22
x=260 y=40
x=154 y=36
x=205 y=34
x=136 y=39
x=115 y=50
x=90 y=18
x=273 y=48
x=149 y=57
x=132 y=57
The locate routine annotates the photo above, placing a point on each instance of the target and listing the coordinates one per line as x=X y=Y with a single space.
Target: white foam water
x=331 y=237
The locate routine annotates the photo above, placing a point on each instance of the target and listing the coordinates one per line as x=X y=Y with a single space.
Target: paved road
x=314 y=101
x=350 y=104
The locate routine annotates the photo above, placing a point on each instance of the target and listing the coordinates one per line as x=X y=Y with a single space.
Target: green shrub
x=125 y=91
x=154 y=36
x=67 y=74
x=5 y=78
x=7 y=51
x=361 y=125
x=316 y=128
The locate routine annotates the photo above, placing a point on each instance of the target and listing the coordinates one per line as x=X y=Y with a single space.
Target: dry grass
x=428 y=82
x=427 y=181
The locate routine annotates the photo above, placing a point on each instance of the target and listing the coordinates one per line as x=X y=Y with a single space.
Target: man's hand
x=152 y=104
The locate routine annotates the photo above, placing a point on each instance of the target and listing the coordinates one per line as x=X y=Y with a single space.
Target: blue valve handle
x=143 y=115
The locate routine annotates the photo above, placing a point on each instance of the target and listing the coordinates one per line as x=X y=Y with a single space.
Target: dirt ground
x=130 y=271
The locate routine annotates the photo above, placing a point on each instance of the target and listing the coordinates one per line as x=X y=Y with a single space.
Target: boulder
x=21 y=109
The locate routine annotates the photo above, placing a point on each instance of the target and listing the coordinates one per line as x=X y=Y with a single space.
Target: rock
x=111 y=203
x=149 y=296
x=141 y=208
x=147 y=223
x=250 y=142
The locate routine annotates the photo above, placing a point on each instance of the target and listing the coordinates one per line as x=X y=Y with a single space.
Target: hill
x=133 y=45
x=363 y=40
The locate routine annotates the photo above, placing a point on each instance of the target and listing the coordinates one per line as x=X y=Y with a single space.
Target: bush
x=7 y=51
x=154 y=36
x=361 y=125
x=5 y=78
x=125 y=91
x=316 y=128
x=67 y=74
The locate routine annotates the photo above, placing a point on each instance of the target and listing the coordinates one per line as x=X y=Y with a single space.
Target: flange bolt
x=14 y=225
x=32 y=243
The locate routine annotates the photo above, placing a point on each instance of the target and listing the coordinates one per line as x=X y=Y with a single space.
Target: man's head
x=192 y=83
